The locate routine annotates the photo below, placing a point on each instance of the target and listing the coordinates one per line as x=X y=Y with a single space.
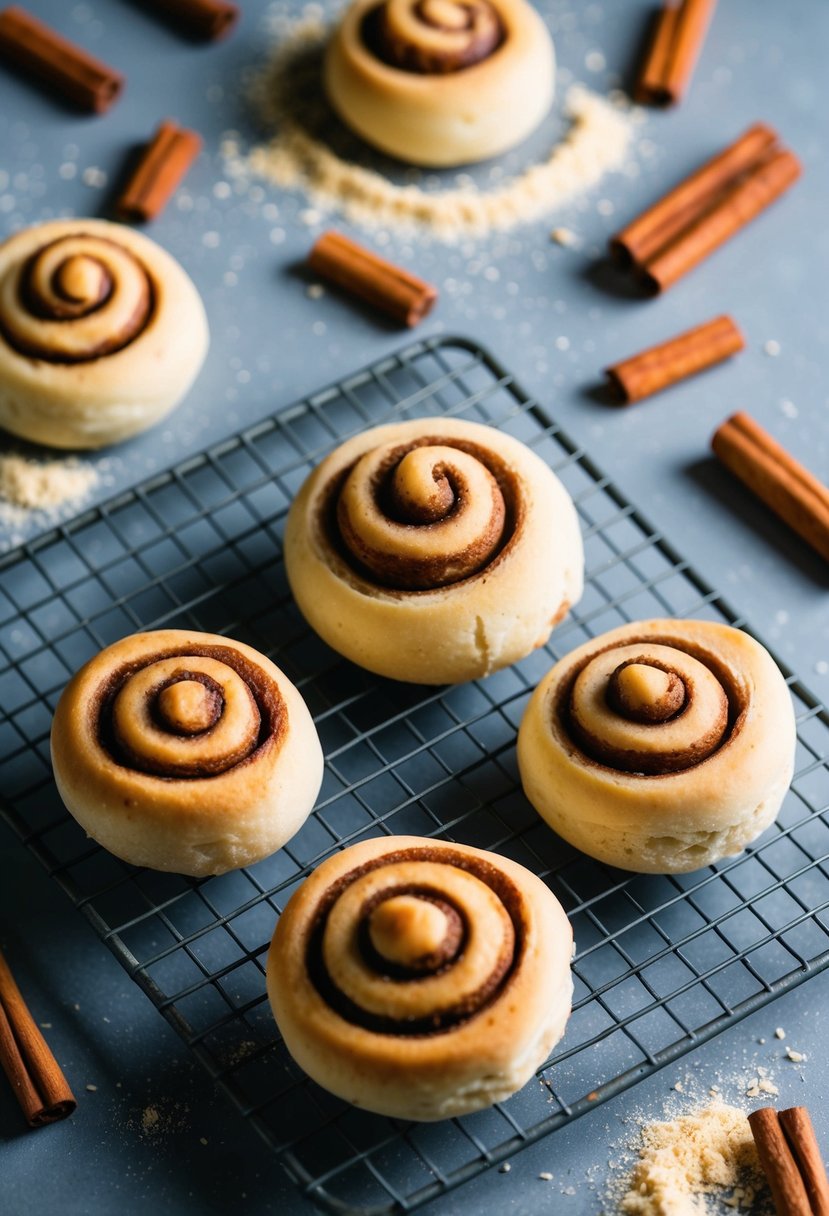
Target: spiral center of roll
x=82 y=280
x=77 y=298
x=421 y=517
x=414 y=933
x=644 y=693
x=189 y=707
x=445 y=14
x=421 y=491
x=652 y=709
x=433 y=37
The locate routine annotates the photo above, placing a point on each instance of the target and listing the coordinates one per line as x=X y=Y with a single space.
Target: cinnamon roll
x=185 y=751
x=441 y=82
x=433 y=551
x=420 y=979
x=661 y=746
x=101 y=333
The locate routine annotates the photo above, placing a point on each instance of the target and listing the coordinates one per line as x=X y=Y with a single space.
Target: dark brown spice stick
x=35 y=1075
x=728 y=215
x=685 y=355
x=800 y=1135
x=364 y=274
x=37 y=51
x=770 y=472
x=661 y=223
x=779 y=1166
x=679 y=33
x=163 y=163
x=207 y=19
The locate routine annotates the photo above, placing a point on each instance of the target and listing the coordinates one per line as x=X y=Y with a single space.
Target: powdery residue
x=298 y=157
x=35 y=486
x=706 y=1153
x=45 y=491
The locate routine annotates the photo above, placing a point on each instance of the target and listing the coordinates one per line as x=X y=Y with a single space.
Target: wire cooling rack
x=662 y=963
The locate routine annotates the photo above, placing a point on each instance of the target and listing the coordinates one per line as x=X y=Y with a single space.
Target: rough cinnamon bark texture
x=163 y=164
x=368 y=277
x=800 y=1136
x=36 y=51
x=204 y=19
x=779 y=480
x=711 y=205
x=782 y=1174
x=669 y=362
x=678 y=34
x=35 y=1075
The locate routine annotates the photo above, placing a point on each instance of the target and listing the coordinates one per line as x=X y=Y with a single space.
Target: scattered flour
x=48 y=488
x=299 y=155
x=709 y=1152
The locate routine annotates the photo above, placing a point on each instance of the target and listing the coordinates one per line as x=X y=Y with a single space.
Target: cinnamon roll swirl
x=661 y=746
x=441 y=82
x=433 y=551
x=101 y=333
x=185 y=751
x=420 y=979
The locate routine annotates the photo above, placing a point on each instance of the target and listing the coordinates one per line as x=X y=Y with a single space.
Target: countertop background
x=556 y=317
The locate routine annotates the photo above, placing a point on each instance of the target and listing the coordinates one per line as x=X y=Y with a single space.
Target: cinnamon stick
x=163 y=163
x=657 y=226
x=782 y=1174
x=368 y=277
x=779 y=480
x=204 y=19
x=39 y=52
x=707 y=208
x=800 y=1136
x=669 y=362
x=35 y=1075
x=678 y=34
x=733 y=210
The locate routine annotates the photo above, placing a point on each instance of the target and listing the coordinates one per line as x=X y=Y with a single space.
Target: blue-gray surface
x=152 y=1134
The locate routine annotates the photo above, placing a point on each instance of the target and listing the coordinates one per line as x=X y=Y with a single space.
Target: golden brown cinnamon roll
x=101 y=333
x=661 y=746
x=433 y=551
x=441 y=82
x=185 y=751
x=420 y=979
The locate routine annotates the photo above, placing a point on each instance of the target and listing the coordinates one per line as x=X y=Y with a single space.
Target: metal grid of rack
x=662 y=962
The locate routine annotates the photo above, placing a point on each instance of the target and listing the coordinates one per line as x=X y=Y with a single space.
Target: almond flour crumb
x=298 y=156
x=546 y=1176
x=34 y=486
x=796 y=1057
x=41 y=493
x=565 y=237
x=780 y=1033
x=92 y=1089
x=708 y=1152
x=505 y=1168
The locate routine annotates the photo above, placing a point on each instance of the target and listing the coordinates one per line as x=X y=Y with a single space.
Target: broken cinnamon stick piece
x=37 y=51
x=656 y=227
x=779 y=1166
x=33 y=1072
x=735 y=208
x=800 y=1135
x=361 y=273
x=780 y=481
x=163 y=163
x=207 y=19
x=669 y=362
x=678 y=34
